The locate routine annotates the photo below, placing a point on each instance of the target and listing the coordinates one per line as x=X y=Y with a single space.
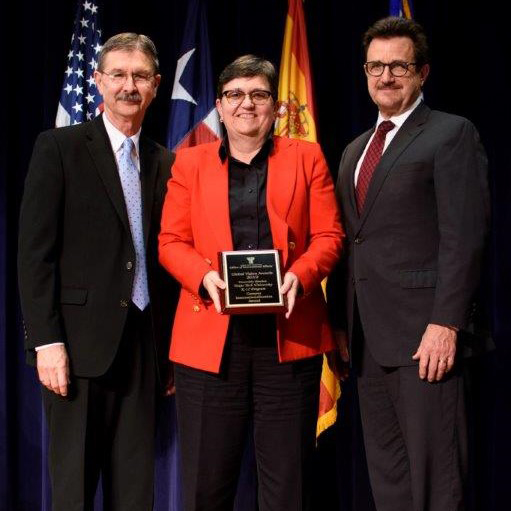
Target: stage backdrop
x=469 y=49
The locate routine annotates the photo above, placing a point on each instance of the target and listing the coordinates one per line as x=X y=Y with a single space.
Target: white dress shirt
x=398 y=120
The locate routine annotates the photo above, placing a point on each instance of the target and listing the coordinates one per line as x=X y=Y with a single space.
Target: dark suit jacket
x=413 y=256
x=76 y=257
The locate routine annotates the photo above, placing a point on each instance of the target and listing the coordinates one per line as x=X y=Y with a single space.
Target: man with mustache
x=96 y=304
x=414 y=200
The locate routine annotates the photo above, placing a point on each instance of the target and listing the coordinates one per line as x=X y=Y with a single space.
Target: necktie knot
x=385 y=127
x=127 y=146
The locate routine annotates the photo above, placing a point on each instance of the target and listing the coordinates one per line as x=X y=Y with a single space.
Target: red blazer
x=195 y=226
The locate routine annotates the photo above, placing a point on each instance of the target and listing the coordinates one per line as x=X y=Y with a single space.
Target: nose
x=250 y=102
x=387 y=76
x=129 y=83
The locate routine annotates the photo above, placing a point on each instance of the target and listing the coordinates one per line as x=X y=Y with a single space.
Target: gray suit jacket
x=413 y=256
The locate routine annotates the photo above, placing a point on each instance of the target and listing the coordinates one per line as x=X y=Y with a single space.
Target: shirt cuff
x=44 y=346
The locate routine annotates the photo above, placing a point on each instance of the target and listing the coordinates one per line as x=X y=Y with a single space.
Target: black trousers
x=214 y=413
x=106 y=426
x=415 y=435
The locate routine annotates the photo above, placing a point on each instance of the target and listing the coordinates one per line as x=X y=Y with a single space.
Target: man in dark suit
x=97 y=307
x=414 y=201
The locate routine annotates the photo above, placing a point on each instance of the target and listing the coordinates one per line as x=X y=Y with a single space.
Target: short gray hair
x=129 y=41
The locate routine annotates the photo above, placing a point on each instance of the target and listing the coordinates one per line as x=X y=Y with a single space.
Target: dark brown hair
x=400 y=27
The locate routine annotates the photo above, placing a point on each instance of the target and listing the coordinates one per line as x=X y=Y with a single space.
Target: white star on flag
x=80 y=100
x=179 y=92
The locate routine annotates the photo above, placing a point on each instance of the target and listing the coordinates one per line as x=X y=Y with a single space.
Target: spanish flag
x=401 y=8
x=296 y=119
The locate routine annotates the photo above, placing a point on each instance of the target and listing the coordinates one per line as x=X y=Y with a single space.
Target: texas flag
x=193 y=117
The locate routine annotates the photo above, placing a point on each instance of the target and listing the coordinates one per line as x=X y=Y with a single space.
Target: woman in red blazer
x=250 y=191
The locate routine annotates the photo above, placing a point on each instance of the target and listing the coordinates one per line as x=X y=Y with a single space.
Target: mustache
x=135 y=96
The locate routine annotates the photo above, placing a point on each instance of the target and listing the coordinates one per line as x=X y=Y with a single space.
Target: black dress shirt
x=250 y=228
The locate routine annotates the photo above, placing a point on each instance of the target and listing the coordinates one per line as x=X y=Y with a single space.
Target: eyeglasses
x=397 y=67
x=120 y=78
x=236 y=96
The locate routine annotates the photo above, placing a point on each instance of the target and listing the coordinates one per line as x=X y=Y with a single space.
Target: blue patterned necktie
x=130 y=180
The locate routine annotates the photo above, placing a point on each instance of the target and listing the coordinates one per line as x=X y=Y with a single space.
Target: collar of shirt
x=117 y=138
x=398 y=120
x=263 y=153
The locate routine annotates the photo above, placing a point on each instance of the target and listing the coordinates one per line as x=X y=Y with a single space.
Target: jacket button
x=129 y=265
x=124 y=303
x=291 y=245
x=358 y=240
x=196 y=308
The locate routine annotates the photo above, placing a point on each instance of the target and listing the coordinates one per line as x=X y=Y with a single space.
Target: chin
x=129 y=111
x=388 y=105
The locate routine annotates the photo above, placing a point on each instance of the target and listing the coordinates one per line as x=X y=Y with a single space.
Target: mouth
x=246 y=116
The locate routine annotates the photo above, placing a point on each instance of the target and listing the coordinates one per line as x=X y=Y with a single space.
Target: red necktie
x=371 y=159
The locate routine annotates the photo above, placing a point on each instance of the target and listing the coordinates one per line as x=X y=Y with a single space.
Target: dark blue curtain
x=469 y=46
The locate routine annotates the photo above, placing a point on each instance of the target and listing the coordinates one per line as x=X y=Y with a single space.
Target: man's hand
x=53 y=368
x=212 y=283
x=436 y=352
x=338 y=359
x=289 y=288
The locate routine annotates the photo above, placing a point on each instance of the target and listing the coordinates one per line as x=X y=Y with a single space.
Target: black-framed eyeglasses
x=120 y=78
x=396 y=67
x=236 y=96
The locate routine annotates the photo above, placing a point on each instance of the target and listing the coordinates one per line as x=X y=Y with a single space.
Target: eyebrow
x=238 y=89
x=135 y=71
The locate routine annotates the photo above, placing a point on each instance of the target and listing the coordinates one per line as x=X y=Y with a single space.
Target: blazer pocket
x=413 y=279
x=73 y=296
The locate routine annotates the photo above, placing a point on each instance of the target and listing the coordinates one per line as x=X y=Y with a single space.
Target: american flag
x=80 y=100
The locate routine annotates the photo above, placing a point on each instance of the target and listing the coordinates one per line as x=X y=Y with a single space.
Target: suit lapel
x=281 y=177
x=103 y=157
x=403 y=138
x=280 y=190
x=214 y=190
x=148 y=173
x=351 y=164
